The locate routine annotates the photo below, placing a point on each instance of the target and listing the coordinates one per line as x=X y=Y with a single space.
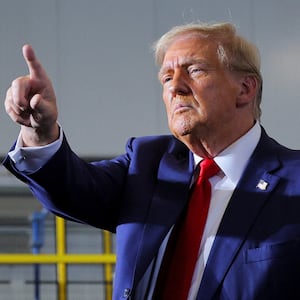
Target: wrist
x=35 y=137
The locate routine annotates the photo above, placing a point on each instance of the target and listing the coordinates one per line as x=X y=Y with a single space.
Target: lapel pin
x=262 y=185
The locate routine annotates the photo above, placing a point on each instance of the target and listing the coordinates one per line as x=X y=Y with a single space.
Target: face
x=199 y=93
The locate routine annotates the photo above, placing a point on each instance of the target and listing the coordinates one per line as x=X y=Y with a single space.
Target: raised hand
x=31 y=102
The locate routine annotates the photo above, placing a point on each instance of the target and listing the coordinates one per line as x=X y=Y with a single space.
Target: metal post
x=37 y=221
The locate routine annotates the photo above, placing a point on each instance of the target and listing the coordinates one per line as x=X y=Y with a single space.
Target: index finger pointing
x=36 y=70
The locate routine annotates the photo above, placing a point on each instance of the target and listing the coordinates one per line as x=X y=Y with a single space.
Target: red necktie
x=178 y=266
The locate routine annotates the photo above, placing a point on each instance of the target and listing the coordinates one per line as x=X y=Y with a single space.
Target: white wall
x=98 y=55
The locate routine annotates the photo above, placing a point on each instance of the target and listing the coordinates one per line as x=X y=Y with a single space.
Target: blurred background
x=98 y=55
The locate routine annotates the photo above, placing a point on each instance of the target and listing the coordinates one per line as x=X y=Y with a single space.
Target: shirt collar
x=232 y=160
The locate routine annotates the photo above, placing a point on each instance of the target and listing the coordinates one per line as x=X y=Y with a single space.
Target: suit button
x=126 y=293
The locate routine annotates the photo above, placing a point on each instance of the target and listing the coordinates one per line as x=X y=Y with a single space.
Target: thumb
x=36 y=70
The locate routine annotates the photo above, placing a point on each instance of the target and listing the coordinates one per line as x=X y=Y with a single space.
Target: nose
x=179 y=85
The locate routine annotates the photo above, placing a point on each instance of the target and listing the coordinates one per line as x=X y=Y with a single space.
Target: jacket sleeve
x=77 y=190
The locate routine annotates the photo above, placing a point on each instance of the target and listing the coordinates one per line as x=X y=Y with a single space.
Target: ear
x=248 y=90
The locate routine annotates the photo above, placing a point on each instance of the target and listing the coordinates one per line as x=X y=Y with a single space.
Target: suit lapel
x=247 y=201
x=169 y=198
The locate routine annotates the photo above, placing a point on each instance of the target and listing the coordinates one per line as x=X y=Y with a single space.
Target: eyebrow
x=184 y=63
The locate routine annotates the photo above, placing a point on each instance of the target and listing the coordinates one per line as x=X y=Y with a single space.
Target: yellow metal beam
x=108 y=267
x=54 y=259
x=61 y=268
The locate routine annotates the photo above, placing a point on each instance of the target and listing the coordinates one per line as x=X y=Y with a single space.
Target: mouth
x=180 y=108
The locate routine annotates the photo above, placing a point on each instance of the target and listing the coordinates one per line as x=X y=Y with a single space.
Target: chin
x=180 y=127
x=181 y=133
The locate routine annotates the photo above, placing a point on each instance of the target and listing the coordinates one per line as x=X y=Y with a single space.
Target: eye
x=166 y=78
x=194 y=70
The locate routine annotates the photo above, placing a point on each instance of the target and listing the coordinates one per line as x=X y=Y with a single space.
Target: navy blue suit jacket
x=139 y=195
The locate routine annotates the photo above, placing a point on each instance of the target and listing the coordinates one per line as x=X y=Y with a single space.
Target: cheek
x=166 y=101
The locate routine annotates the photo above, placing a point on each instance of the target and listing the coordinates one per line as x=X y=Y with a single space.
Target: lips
x=180 y=108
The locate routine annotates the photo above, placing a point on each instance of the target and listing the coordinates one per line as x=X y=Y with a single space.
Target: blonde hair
x=234 y=51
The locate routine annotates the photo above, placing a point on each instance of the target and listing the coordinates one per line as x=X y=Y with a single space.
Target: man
x=212 y=91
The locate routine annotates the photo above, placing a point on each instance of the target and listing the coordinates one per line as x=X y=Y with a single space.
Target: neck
x=211 y=144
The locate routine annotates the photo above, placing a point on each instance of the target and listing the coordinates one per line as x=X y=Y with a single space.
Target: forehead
x=191 y=47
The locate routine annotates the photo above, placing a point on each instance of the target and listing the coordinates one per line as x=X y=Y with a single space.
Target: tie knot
x=208 y=168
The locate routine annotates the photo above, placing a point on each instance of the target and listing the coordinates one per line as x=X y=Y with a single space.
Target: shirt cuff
x=30 y=159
